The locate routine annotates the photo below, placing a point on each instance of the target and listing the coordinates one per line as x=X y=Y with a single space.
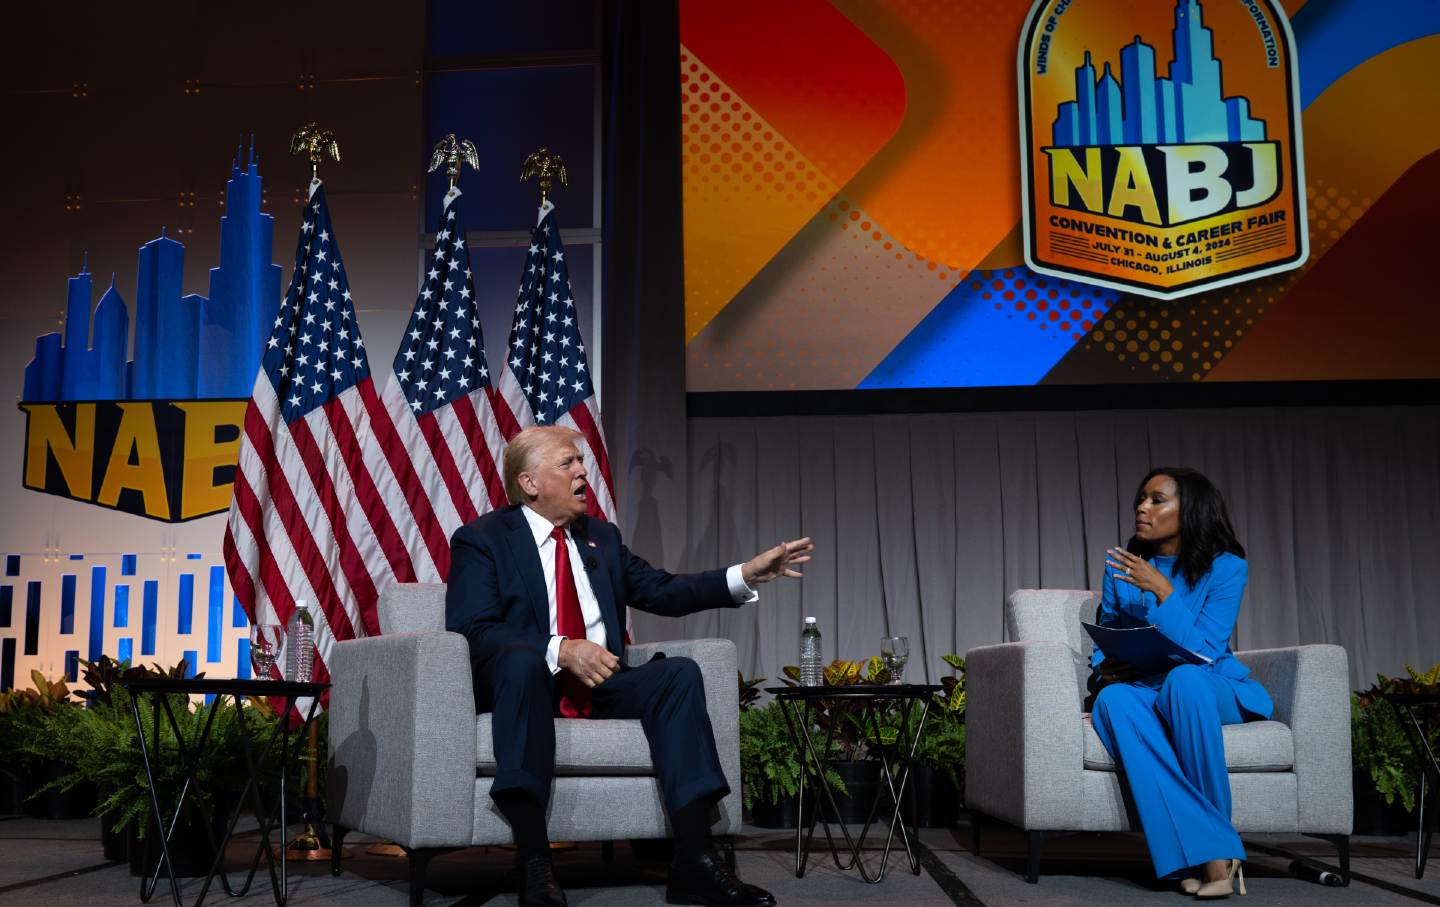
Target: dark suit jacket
x=496 y=590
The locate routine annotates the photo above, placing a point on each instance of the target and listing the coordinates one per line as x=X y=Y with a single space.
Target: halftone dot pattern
x=747 y=191
x=846 y=214
x=1185 y=339
x=829 y=307
x=1063 y=308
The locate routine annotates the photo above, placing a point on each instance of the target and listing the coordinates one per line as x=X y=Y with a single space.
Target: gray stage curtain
x=925 y=523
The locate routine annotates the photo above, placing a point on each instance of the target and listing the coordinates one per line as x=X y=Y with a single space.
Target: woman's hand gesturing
x=1138 y=572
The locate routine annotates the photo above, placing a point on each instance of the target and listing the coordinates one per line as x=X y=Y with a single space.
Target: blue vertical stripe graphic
x=127 y=565
x=97 y=614
x=7 y=603
x=148 y=608
x=72 y=665
x=237 y=614
x=12 y=565
x=242 y=659
x=7 y=662
x=215 y=617
x=192 y=658
x=125 y=650
x=32 y=618
x=67 y=604
x=122 y=606
x=187 y=603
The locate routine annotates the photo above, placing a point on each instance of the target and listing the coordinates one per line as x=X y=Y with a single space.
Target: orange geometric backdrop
x=852 y=209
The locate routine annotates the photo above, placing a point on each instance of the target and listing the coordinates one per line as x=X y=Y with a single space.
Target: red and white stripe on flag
x=320 y=512
x=545 y=376
x=437 y=399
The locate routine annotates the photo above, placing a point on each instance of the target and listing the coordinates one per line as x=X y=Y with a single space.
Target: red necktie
x=570 y=623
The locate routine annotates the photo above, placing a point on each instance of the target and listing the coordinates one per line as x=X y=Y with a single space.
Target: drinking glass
x=895 y=651
x=264 y=648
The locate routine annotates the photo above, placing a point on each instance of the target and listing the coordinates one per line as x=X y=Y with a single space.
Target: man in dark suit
x=539 y=590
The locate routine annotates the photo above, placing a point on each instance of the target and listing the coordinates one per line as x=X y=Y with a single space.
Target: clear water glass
x=264 y=649
x=894 y=652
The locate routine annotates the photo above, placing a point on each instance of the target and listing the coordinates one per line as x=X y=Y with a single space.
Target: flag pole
x=314 y=842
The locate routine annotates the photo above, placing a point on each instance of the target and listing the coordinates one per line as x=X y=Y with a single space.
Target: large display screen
x=853 y=193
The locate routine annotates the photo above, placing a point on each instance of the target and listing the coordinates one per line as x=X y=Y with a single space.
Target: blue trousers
x=666 y=694
x=1167 y=742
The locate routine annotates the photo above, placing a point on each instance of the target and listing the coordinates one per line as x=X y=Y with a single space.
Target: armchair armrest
x=1310 y=686
x=718 y=663
x=402 y=738
x=1024 y=747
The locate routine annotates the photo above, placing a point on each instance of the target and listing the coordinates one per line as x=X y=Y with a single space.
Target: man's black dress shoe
x=538 y=887
x=710 y=883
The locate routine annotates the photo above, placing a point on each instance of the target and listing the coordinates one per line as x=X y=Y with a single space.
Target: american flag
x=439 y=401
x=545 y=379
x=313 y=517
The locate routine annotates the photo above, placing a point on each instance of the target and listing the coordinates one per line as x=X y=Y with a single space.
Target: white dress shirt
x=589 y=604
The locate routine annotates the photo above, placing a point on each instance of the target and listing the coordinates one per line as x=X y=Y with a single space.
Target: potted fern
x=1386 y=775
x=937 y=777
x=41 y=755
x=770 y=768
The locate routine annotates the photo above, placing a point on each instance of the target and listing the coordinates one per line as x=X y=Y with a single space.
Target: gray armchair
x=410 y=760
x=1033 y=760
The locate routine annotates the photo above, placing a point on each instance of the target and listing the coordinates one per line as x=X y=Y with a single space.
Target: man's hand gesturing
x=775 y=562
x=592 y=664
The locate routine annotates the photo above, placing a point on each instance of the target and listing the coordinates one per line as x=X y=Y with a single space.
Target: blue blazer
x=1201 y=618
x=496 y=594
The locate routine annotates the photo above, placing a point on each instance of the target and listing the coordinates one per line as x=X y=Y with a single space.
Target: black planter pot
x=113 y=843
x=75 y=803
x=778 y=815
x=862 y=783
x=190 y=848
x=1373 y=816
x=12 y=795
x=933 y=797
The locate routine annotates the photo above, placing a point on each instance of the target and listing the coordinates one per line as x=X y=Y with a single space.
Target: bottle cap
x=809 y=620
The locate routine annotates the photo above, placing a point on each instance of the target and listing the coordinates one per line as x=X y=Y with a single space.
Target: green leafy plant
x=769 y=759
x=24 y=717
x=102 y=745
x=749 y=691
x=1379 y=744
x=837 y=717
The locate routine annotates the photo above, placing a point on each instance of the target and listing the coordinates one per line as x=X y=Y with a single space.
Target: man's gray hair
x=520 y=455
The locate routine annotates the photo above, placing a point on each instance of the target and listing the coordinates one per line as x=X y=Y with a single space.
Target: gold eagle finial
x=312 y=140
x=546 y=166
x=453 y=154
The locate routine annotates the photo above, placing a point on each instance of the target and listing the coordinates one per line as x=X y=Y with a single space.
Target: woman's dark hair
x=1205 y=530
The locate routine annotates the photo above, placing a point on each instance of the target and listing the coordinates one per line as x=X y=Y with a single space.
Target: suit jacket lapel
x=600 y=584
x=527 y=556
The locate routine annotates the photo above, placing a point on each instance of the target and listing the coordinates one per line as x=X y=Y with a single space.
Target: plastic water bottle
x=811 y=670
x=300 y=644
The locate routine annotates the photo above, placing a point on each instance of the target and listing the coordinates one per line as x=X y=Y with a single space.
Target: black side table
x=1419 y=732
x=269 y=812
x=869 y=702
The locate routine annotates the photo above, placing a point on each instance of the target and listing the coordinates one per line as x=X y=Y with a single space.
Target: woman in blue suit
x=1184 y=572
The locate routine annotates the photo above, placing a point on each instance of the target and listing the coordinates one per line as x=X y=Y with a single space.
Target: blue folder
x=1145 y=649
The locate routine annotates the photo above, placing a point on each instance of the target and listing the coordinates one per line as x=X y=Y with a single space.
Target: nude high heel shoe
x=1189 y=886
x=1223 y=888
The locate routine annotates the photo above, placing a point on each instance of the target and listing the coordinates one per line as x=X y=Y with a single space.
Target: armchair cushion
x=1257 y=746
x=582 y=747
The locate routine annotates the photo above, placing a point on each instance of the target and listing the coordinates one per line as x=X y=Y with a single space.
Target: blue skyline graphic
x=1187 y=106
x=187 y=346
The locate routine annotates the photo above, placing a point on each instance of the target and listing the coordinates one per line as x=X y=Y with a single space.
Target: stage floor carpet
x=60 y=862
